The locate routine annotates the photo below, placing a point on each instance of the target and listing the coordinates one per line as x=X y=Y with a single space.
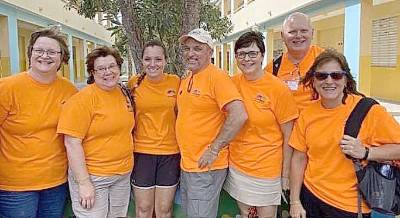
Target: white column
x=232 y=7
x=85 y=52
x=232 y=58
x=215 y=55
x=221 y=64
x=71 y=60
x=245 y=3
x=13 y=44
x=222 y=8
x=266 y=55
x=352 y=33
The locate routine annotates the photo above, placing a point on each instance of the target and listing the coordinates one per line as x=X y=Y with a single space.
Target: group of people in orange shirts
x=254 y=135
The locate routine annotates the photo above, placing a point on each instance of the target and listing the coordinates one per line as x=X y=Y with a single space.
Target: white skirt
x=253 y=191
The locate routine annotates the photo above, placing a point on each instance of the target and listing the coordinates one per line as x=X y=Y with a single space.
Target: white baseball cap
x=199 y=35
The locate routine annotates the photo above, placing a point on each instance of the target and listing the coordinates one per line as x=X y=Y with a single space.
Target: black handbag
x=378 y=183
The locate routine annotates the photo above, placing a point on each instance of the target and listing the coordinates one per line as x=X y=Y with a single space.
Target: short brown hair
x=52 y=33
x=326 y=56
x=248 y=38
x=102 y=51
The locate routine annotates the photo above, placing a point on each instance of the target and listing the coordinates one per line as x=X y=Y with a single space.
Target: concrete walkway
x=392 y=107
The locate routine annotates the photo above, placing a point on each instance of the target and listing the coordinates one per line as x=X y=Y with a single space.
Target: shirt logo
x=260 y=98
x=196 y=92
x=171 y=93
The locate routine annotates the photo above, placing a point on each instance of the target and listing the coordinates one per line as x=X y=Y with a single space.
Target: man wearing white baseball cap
x=210 y=114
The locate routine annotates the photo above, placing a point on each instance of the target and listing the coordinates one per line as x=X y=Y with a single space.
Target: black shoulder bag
x=378 y=183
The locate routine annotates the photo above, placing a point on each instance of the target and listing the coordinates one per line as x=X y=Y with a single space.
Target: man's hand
x=208 y=158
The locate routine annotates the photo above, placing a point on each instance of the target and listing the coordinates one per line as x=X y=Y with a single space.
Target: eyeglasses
x=104 y=69
x=186 y=49
x=323 y=75
x=40 y=52
x=251 y=54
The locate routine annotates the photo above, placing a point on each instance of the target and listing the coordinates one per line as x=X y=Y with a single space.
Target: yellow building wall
x=4 y=51
x=385 y=80
x=329 y=32
x=79 y=61
x=23 y=42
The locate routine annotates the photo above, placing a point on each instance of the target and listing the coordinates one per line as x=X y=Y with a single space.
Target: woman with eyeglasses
x=156 y=173
x=33 y=162
x=97 y=124
x=259 y=156
x=323 y=181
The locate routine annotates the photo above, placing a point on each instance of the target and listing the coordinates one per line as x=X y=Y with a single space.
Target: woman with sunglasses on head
x=259 y=156
x=156 y=173
x=97 y=123
x=33 y=162
x=323 y=181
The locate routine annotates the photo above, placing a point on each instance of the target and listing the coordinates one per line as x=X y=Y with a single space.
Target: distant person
x=259 y=156
x=210 y=114
x=323 y=181
x=97 y=124
x=291 y=66
x=33 y=162
x=156 y=171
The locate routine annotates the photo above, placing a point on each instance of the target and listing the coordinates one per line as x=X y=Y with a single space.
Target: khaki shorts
x=111 y=200
x=200 y=192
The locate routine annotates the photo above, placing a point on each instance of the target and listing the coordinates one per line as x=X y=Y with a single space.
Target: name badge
x=292 y=84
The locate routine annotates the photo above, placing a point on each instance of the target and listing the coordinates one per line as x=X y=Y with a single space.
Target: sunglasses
x=323 y=75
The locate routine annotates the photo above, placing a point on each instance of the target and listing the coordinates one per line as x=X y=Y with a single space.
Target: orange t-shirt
x=329 y=174
x=257 y=149
x=32 y=155
x=291 y=75
x=105 y=123
x=155 y=115
x=201 y=99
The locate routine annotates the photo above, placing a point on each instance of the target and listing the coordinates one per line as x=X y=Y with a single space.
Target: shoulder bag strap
x=352 y=128
x=276 y=65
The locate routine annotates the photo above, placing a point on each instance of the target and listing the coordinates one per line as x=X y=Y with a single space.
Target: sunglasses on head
x=323 y=75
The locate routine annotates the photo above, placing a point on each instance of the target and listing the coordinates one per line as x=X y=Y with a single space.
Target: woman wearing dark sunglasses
x=323 y=181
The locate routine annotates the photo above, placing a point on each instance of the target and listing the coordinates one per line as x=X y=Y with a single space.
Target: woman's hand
x=285 y=183
x=86 y=194
x=297 y=210
x=352 y=146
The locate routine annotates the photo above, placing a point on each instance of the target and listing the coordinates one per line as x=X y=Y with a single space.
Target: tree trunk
x=191 y=15
x=132 y=31
x=129 y=57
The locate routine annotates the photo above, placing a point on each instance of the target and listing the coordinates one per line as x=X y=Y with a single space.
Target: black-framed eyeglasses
x=50 y=53
x=323 y=75
x=104 y=69
x=251 y=54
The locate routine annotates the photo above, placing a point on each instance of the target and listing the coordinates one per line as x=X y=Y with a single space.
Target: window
x=238 y=5
x=384 y=42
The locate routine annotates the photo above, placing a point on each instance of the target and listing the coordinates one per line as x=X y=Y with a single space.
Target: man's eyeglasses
x=186 y=49
x=251 y=54
x=323 y=75
x=40 y=52
x=104 y=69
